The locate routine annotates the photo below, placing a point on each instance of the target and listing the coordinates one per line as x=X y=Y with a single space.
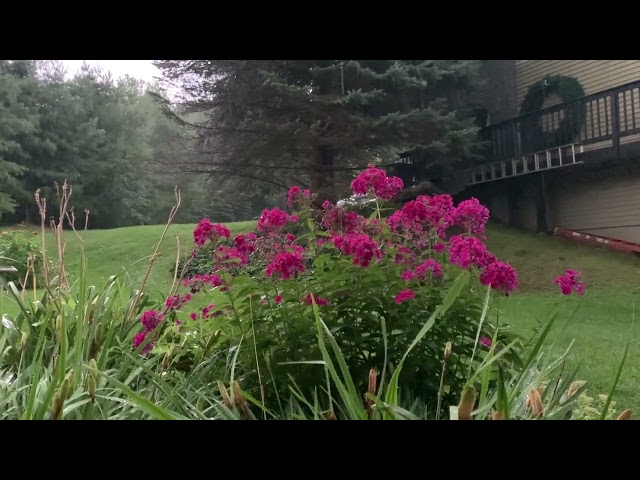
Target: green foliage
x=371 y=329
x=68 y=355
x=20 y=249
x=568 y=89
x=302 y=121
x=590 y=408
x=107 y=137
x=199 y=262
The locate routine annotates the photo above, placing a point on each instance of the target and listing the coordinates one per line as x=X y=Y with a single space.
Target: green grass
x=601 y=328
x=602 y=325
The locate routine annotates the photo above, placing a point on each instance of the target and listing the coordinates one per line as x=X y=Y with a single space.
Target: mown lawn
x=600 y=328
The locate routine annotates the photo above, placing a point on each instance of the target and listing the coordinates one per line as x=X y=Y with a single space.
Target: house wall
x=605 y=203
x=594 y=75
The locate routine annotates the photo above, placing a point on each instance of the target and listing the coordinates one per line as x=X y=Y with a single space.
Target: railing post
x=615 y=123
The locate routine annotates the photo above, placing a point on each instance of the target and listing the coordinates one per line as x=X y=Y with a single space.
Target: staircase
x=556 y=157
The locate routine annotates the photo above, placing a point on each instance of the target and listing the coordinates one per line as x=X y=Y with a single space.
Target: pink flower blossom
x=206 y=230
x=326 y=205
x=422 y=215
x=500 y=275
x=360 y=246
x=275 y=220
x=174 y=302
x=439 y=247
x=151 y=319
x=287 y=264
x=290 y=237
x=405 y=256
x=277 y=299
x=467 y=252
x=244 y=244
x=486 y=342
x=339 y=220
x=226 y=258
x=196 y=282
x=570 y=282
x=193 y=316
x=308 y=299
x=297 y=196
x=374 y=180
x=471 y=215
x=138 y=339
x=404 y=295
x=207 y=312
x=408 y=275
x=429 y=265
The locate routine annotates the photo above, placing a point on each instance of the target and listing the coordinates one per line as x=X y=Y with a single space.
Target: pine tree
x=302 y=121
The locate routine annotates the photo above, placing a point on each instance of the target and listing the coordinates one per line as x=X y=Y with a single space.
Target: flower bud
x=534 y=402
x=91 y=388
x=239 y=401
x=626 y=415
x=497 y=415
x=225 y=396
x=23 y=340
x=467 y=402
x=447 y=350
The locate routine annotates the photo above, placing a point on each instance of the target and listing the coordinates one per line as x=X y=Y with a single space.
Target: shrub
x=375 y=279
x=17 y=249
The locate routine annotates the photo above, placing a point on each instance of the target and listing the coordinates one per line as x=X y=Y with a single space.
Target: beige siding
x=609 y=206
x=594 y=75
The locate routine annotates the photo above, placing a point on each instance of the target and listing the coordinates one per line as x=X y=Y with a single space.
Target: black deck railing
x=606 y=116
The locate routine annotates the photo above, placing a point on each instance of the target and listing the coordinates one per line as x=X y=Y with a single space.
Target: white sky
x=141 y=69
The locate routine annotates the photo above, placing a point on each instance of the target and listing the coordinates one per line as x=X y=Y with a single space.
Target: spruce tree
x=282 y=122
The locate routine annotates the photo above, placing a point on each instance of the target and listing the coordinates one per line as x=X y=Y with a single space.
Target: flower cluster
x=174 y=302
x=415 y=243
x=227 y=258
x=206 y=230
x=309 y=298
x=423 y=215
x=501 y=276
x=374 y=180
x=196 y=282
x=297 y=197
x=338 y=220
x=245 y=243
x=360 y=246
x=150 y=321
x=287 y=264
x=570 y=282
x=404 y=295
x=206 y=313
x=471 y=215
x=275 y=220
x=467 y=252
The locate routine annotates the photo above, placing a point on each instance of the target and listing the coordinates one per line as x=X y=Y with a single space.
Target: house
x=563 y=146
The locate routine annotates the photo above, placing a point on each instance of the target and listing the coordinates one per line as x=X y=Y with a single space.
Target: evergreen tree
x=283 y=122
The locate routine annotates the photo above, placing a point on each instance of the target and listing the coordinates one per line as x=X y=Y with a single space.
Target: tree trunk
x=322 y=180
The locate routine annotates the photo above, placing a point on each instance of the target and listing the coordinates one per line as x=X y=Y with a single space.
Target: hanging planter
x=546 y=131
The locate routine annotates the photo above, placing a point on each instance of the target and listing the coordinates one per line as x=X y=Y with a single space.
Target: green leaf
x=607 y=403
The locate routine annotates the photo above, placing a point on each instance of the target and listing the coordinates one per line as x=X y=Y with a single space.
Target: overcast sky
x=141 y=69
